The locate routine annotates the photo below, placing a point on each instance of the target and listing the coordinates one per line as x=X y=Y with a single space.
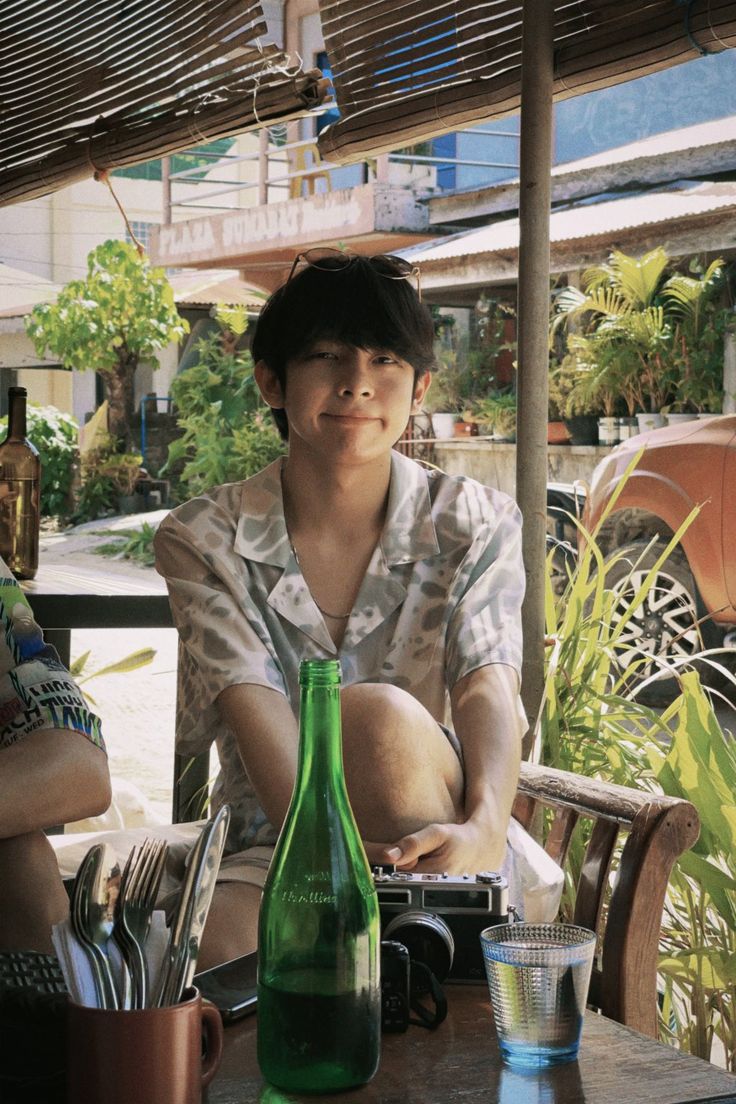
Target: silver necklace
x=332 y=616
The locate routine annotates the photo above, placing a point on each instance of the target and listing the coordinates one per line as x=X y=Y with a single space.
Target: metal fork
x=140 y=882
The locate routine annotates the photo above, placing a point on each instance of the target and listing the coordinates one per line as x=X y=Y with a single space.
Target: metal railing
x=292 y=168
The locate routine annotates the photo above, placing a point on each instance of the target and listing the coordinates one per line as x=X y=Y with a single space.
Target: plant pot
x=608 y=430
x=131 y=504
x=583 y=429
x=675 y=419
x=465 y=429
x=557 y=434
x=627 y=427
x=442 y=425
x=649 y=421
x=703 y=416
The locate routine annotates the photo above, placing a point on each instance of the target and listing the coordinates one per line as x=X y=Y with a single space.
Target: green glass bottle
x=319 y=1005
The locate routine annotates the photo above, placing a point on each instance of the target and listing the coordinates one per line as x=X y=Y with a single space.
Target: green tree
x=120 y=314
x=227 y=433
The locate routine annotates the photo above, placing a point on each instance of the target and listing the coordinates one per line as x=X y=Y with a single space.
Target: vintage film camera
x=439 y=917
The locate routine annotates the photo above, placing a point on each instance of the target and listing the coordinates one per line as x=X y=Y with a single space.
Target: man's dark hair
x=352 y=303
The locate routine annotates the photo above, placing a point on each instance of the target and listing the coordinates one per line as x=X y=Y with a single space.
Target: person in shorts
x=53 y=769
x=346 y=549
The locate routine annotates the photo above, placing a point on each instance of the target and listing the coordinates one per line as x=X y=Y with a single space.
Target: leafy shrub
x=55 y=435
x=106 y=476
x=226 y=434
x=593 y=724
x=130 y=544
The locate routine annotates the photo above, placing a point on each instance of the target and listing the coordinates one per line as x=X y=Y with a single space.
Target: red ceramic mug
x=151 y=1056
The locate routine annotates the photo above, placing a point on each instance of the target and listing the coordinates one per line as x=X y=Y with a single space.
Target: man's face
x=351 y=403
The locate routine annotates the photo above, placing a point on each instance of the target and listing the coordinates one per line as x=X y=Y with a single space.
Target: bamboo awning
x=405 y=72
x=90 y=85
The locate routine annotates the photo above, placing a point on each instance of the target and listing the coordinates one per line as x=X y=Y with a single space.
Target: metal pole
x=262 y=167
x=535 y=162
x=166 y=185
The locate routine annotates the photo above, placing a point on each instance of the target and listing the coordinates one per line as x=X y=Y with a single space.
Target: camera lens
x=426 y=937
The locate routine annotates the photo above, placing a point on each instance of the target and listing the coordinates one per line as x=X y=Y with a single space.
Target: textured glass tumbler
x=538 y=975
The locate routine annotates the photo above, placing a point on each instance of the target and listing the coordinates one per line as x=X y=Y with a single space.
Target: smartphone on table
x=231 y=986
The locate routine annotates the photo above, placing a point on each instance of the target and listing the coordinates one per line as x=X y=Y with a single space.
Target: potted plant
x=578 y=409
x=443 y=401
x=497 y=409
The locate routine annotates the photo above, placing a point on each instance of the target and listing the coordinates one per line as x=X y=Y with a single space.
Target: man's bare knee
x=400 y=768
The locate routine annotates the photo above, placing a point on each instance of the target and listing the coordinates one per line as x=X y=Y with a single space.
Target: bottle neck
x=320 y=736
x=17 y=414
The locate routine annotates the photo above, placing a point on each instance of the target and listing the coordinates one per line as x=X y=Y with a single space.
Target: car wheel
x=665 y=625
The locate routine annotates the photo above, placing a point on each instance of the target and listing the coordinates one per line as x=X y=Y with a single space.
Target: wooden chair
x=658 y=829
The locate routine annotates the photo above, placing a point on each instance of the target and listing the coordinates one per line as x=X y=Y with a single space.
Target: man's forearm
x=51 y=777
x=267 y=736
x=488 y=726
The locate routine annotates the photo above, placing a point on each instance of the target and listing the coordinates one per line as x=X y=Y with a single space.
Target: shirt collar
x=408 y=532
x=261 y=534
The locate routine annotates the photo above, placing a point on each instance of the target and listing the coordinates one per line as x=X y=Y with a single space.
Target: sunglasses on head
x=334 y=260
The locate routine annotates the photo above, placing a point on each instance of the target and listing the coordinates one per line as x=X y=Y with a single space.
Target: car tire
x=666 y=623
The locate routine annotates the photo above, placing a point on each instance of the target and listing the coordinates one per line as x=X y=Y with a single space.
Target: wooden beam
x=533 y=320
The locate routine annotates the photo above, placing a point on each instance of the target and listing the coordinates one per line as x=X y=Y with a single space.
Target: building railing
x=291 y=169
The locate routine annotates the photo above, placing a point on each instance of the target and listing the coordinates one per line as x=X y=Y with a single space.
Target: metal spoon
x=92 y=908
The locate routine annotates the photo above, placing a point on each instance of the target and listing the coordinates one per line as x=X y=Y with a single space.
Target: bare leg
x=401 y=774
x=232 y=924
x=33 y=896
x=401 y=771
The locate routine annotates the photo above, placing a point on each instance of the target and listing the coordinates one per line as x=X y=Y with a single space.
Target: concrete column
x=533 y=321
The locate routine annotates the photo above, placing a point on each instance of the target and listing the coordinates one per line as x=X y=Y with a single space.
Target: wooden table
x=460 y=1064
x=64 y=597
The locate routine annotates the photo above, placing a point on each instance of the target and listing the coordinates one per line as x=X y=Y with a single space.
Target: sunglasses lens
x=386 y=264
x=327 y=259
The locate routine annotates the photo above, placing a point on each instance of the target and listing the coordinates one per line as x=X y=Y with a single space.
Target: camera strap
x=427 y=1017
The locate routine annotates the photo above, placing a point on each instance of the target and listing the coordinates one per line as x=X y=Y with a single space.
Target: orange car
x=692 y=601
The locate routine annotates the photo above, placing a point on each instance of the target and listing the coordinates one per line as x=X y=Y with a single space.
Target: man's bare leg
x=402 y=774
x=401 y=771
x=33 y=895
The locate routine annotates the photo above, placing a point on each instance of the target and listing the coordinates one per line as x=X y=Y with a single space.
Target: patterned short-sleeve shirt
x=441 y=597
x=36 y=690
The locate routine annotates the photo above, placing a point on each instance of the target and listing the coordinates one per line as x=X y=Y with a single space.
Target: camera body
x=439 y=917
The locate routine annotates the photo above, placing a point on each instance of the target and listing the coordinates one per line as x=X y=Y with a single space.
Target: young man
x=347 y=549
x=53 y=768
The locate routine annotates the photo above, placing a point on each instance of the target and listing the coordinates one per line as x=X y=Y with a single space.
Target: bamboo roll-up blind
x=98 y=84
x=407 y=70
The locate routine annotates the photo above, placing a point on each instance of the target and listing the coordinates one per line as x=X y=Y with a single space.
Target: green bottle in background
x=319 y=1007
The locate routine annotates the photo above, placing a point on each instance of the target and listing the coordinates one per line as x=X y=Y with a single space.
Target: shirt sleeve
x=485 y=622
x=36 y=690
x=223 y=639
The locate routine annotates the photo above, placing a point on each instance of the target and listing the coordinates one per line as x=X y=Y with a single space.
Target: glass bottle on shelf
x=20 y=483
x=319 y=1008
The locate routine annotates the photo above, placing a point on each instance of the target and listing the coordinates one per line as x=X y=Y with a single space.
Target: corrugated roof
x=585 y=220
x=206 y=288
x=715 y=132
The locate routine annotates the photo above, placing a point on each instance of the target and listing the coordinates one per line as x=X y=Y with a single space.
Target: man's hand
x=454 y=848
